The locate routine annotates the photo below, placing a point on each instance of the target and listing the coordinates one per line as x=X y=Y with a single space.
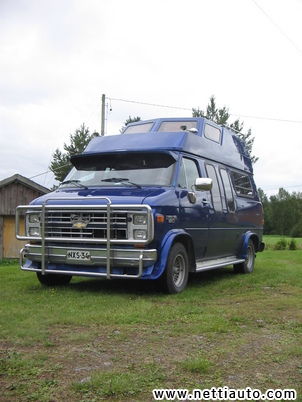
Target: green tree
x=283 y=213
x=60 y=164
x=221 y=116
x=280 y=214
x=129 y=120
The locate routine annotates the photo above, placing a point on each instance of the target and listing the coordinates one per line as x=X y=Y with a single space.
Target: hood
x=120 y=195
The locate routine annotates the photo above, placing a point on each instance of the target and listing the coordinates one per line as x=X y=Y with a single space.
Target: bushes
x=282 y=244
x=292 y=244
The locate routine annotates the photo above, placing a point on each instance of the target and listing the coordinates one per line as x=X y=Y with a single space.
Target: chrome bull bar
x=108 y=242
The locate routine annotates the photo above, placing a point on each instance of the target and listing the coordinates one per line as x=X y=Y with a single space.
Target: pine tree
x=60 y=164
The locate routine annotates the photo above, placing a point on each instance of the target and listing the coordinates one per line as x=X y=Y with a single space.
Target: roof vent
x=193 y=130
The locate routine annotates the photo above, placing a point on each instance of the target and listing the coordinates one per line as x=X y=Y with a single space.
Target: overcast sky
x=57 y=58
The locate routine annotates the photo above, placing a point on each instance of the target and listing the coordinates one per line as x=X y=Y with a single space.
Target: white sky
x=57 y=58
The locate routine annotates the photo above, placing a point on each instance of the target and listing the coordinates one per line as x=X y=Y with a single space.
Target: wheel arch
x=171 y=238
x=249 y=236
x=186 y=240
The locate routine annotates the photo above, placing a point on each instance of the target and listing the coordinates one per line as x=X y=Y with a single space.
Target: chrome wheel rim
x=178 y=271
x=249 y=258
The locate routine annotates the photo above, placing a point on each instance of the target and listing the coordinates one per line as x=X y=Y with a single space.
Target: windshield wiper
x=121 y=180
x=76 y=182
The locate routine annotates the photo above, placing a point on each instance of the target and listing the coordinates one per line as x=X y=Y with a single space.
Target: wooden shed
x=15 y=190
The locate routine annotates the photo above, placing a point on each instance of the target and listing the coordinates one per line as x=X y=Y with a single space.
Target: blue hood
x=120 y=195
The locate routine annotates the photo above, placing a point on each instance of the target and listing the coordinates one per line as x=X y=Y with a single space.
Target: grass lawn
x=118 y=340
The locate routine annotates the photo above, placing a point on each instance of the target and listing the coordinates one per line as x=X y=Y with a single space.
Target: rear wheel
x=175 y=276
x=54 y=279
x=247 y=266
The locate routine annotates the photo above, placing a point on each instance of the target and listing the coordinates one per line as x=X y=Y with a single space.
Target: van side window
x=138 y=128
x=227 y=190
x=188 y=173
x=216 y=196
x=242 y=184
x=175 y=126
x=212 y=133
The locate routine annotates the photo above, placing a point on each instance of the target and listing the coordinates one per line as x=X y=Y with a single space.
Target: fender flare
x=246 y=237
x=164 y=250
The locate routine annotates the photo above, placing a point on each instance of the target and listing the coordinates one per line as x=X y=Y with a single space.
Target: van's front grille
x=69 y=224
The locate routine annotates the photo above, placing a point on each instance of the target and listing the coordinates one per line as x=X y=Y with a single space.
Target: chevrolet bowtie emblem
x=79 y=221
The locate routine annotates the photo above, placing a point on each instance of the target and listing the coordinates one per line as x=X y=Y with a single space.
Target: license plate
x=78 y=255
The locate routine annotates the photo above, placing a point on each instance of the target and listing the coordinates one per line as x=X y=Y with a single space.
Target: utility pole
x=103 y=115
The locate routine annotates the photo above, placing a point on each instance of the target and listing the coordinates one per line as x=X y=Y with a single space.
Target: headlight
x=140 y=234
x=33 y=224
x=34 y=218
x=139 y=219
x=34 y=231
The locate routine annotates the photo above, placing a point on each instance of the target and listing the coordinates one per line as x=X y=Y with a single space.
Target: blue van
x=165 y=198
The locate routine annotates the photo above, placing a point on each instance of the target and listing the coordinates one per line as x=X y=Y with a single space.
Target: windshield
x=129 y=169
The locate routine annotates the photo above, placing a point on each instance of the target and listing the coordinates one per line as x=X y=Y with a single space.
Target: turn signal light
x=160 y=218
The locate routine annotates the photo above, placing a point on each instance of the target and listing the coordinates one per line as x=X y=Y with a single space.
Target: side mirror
x=203 y=184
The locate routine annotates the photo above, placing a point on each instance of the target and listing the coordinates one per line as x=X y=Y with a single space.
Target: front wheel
x=247 y=266
x=175 y=276
x=54 y=279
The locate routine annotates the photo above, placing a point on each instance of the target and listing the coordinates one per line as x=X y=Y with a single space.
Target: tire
x=175 y=277
x=54 y=279
x=247 y=266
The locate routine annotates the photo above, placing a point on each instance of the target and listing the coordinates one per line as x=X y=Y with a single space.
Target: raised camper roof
x=196 y=136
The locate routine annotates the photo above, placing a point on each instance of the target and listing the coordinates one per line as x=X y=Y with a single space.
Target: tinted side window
x=139 y=128
x=216 y=197
x=228 y=190
x=175 y=126
x=242 y=184
x=212 y=133
x=187 y=174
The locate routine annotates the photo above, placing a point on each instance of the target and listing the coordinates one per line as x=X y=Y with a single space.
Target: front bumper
x=133 y=263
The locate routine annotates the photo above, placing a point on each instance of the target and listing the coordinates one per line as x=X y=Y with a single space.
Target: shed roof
x=17 y=178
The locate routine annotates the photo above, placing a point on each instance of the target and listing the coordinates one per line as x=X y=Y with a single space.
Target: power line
x=267 y=118
x=150 y=104
x=183 y=108
x=87 y=121
x=277 y=26
x=49 y=171
x=40 y=174
x=278 y=188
